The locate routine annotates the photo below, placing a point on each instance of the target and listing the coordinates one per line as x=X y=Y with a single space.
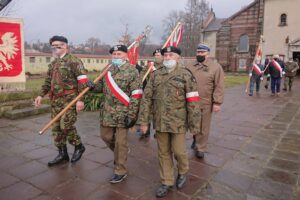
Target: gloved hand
x=91 y=85
x=283 y=73
x=250 y=74
x=261 y=78
x=129 y=122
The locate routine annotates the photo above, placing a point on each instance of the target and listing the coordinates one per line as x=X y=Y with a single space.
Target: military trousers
x=288 y=81
x=64 y=129
x=170 y=144
x=202 y=138
x=117 y=140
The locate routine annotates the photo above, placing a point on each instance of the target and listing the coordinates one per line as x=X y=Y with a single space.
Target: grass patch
x=33 y=87
x=233 y=80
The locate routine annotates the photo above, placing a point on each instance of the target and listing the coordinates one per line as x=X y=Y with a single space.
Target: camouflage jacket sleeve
x=218 y=93
x=146 y=104
x=193 y=104
x=136 y=95
x=80 y=74
x=47 y=83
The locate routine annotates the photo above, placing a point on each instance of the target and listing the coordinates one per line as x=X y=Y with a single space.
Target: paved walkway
x=253 y=154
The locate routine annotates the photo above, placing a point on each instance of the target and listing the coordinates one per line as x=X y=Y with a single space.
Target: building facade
x=239 y=36
x=37 y=63
x=211 y=26
x=281 y=28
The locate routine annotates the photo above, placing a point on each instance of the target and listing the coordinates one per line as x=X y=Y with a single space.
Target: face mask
x=200 y=59
x=169 y=63
x=117 y=62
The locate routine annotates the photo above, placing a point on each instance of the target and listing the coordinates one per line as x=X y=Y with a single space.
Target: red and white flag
x=176 y=36
x=133 y=54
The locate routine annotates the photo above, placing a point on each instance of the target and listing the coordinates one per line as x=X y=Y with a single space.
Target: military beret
x=203 y=47
x=118 y=47
x=156 y=51
x=58 y=38
x=170 y=49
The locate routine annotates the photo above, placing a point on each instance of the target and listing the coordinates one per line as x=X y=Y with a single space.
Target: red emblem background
x=16 y=62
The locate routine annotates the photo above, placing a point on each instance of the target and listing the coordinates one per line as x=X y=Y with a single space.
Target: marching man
x=118 y=112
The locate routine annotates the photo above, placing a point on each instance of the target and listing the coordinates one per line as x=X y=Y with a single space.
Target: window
x=97 y=60
x=101 y=60
x=283 y=18
x=48 y=59
x=244 y=44
x=32 y=59
x=89 y=60
x=242 y=63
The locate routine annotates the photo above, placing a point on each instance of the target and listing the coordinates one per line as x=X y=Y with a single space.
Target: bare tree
x=7 y=7
x=93 y=43
x=170 y=22
x=195 y=13
x=192 y=18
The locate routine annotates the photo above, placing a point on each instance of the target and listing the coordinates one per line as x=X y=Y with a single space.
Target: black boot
x=61 y=158
x=193 y=146
x=148 y=131
x=78 y=151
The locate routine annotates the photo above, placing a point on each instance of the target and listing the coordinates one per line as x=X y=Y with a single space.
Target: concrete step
x=26 y=112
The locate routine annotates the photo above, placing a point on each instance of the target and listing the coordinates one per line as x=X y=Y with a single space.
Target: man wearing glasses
x=66 y=77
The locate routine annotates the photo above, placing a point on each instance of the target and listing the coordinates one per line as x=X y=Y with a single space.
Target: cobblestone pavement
x=253 y=154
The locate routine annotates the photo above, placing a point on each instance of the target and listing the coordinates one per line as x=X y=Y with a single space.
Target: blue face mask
x=117 y=62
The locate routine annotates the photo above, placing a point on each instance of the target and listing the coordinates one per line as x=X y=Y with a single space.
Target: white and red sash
x=119 y=93
x=137 y=94
x=192 y=97
x=277 y=66
x=257 y=69
x=82 y=79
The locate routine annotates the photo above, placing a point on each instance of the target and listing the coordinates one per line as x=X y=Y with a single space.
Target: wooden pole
x=73 y=102
x=178 y=24
x=148 y=71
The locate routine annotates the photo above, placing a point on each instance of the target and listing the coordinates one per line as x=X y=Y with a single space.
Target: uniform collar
x=203 y=64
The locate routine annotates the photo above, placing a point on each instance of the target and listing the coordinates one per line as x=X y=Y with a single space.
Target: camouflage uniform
x=113 y=112
x=166 y=96
x=142 y=74
x=290 y=73
x=63 y=85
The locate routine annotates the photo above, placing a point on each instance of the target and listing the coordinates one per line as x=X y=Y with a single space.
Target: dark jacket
x=274 y=73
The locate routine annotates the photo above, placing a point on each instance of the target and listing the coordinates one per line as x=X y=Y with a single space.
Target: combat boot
x=193 y=146
x=61 y=158
x=78 y=151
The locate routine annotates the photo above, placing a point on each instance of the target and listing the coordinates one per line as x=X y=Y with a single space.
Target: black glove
x=129 y=122
x=91 y=85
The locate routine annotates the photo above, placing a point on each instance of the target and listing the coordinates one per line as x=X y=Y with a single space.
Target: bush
x=92 y=101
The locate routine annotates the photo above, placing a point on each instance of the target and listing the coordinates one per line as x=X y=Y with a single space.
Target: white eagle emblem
x=8 y=50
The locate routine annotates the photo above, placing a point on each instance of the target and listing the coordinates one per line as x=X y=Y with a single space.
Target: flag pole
x=165 y=44
x=73 y=102
x=255 y=57
x=178 y=24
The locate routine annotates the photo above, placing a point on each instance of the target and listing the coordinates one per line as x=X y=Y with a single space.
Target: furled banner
x=12 y=70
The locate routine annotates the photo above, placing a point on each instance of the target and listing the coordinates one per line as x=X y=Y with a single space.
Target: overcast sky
x=104 y=19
